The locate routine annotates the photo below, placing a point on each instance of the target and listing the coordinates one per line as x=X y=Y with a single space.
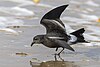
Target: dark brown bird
x=56 y=35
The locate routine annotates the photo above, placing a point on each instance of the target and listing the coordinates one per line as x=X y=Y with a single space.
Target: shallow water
x=15 y=49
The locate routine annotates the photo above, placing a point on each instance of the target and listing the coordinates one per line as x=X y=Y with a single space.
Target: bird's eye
x=35 y=38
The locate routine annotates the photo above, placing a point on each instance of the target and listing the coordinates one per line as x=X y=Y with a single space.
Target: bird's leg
x=60 y=52
x=61 y=58
x=58 y=55
x=55 y=57
x=56 y=48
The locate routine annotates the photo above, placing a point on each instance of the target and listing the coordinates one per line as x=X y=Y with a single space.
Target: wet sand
x=15 y=50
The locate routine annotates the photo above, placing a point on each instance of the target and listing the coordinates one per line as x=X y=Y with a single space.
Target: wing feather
x=52 y=22
x=64 y=44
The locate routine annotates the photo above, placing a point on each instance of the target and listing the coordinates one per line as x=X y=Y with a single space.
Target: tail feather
x=79 y=35
x=78 y=32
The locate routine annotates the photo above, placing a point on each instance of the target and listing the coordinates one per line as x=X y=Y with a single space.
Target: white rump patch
x=73 y=38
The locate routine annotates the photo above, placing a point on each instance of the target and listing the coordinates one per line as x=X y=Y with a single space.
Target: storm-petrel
x=56 y=35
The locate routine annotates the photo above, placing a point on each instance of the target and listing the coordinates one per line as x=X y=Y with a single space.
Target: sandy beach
x=15 y=50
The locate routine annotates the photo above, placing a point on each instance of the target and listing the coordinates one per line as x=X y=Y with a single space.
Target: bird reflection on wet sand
x=54 y=64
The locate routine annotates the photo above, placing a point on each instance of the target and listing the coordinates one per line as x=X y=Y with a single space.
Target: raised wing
x=52 y=22
x=54 y=27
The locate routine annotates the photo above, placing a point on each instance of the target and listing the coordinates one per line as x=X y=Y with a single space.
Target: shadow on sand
x=54 y=64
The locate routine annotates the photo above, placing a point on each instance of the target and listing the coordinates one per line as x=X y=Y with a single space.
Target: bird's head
x=37 y=39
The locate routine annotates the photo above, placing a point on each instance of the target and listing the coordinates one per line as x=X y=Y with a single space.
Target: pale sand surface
x=11 y=44
x=15 y=50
